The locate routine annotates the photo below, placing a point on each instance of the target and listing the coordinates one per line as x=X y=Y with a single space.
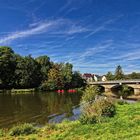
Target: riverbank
x=30 y=90
x=124 y=125
x=18 y=91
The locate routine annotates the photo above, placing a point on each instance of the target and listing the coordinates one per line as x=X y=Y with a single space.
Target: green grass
x=125 y=125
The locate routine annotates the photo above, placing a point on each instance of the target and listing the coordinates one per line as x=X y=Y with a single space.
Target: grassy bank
x=18 y=91
x=125 y=125
x=22 y=90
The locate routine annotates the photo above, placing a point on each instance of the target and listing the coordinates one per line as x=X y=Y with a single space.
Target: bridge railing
x=135 y=81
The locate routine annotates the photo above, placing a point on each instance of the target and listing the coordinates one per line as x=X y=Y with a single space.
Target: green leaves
x=90 y=93
x=26 y=72
x=7 y=67
x=119 y=75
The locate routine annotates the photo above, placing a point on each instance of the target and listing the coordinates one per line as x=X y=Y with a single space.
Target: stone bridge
x=108 y=85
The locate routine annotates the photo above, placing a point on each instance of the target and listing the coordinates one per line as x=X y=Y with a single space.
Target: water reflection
x=36 y=108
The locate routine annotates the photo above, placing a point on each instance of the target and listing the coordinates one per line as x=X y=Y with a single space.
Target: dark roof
x=88 y=75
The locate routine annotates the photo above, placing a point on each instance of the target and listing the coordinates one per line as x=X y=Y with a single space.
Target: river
x=38 y=108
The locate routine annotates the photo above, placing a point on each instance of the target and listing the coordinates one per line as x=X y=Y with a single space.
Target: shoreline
x=30 y=90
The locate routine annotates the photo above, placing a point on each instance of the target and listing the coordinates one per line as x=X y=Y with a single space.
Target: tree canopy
x=27 y=72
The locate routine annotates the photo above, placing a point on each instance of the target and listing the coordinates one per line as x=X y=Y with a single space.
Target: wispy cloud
x=59 y=26
x=79 y=59
x=129 y=56
x=102 y=26
x=98 y=48
x=65 y=6
x=21 y=34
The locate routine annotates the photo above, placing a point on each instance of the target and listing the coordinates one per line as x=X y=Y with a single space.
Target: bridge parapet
x=117 y=82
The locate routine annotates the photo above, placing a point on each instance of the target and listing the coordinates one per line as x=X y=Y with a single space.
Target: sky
x=94 y=35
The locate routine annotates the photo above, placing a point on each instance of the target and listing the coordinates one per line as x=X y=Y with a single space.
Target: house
x=104 y=78
x=88 y=77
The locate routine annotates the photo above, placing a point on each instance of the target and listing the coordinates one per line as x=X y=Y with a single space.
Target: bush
x=90 y=93
x=43 y=86
x=24 y=129
x=1 y=133
x=95 y=112
x=122 y=91
x=121 y=102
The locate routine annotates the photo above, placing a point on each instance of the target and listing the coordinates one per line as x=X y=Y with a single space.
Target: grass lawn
x=125 y=125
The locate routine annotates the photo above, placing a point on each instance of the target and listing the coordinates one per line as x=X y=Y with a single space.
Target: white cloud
x=79 y=59
x=129 y=56
x=54 y=27
x=102 y=26
x=21 y=34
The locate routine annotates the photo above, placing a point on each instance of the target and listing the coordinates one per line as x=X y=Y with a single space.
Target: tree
x=7 y=67
x=27 y=73
x=134 y=75
x=45 y=64
x=55 y=80
x=119 y=75
x=66 y=72
x=110 y=76
x=77 y=81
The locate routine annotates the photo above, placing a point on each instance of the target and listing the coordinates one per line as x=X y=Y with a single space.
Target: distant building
x=104 y=78
x=95 y=78
x=88 y=77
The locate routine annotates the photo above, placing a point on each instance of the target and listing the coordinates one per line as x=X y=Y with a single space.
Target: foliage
x=43 y=86
x=90 y=93
x=119 y=75
x=26 y=72
x=77 y=80
x=55 y=80
x=1 y=133
x=122 y=102
x=133 y=75
x=93 y=113
x=24 y=129
x=122 y=90
x=66 y=73
x=45 y=64
x=7 y=67
x=110 y=76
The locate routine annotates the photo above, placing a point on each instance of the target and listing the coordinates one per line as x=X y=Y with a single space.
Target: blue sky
x=94 y=35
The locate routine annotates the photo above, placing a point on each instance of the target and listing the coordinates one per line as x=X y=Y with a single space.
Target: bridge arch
x=100 y=87
x=107 y=88
x=108 y=85
x=117 y=89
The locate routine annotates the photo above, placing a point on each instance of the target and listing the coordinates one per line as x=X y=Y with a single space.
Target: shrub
x=90 y=93
x=1 y=133
x=121 y=102
x=43 y=86
x=95 y=112
x=24 y=129
x=122 y=91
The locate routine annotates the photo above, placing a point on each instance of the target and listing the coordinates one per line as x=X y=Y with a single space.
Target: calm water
x=38 y=108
